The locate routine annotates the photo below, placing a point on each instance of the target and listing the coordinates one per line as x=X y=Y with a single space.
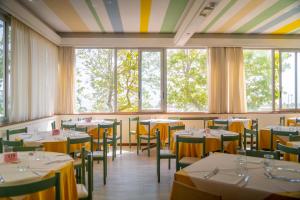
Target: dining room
x=149 y=99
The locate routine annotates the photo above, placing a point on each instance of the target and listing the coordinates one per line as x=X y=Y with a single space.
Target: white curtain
x=32 y=76
x=226 y=88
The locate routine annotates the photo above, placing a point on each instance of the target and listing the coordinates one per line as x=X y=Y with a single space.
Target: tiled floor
x=133 y=177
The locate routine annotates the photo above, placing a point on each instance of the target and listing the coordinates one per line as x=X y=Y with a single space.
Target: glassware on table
x=268 y=162
x=39 y=153
x=241 y=162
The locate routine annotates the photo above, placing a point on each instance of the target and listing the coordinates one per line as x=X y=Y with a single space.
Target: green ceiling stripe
x=93 y=11
x=296 y=31
x=223 y=11
x=174 y=11
x=281 y=4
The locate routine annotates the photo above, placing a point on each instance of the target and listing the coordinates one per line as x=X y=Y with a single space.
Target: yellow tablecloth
x=291 y=121
x=235 y=126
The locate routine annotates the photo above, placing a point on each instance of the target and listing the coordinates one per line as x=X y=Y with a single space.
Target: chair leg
x=148 y=147
x=137 y=145
x=129 y=141
x=158 y=169
x=169 y=164
x=121 y=140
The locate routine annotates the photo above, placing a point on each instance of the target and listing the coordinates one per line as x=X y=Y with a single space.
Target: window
x=187 y=80
x=95 y=80
x=258 y=79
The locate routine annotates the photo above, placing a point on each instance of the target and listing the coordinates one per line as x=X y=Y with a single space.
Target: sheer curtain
x=226 y=88
x=65 y=94
x=32 y=75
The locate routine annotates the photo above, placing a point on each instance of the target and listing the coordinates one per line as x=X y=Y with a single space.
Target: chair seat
x=167 y=153
x=132 y=132
x=188 y=160
x=145 y=137
x=82 y=192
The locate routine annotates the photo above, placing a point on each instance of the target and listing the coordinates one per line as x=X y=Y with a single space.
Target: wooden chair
x=294 y=138
x=133 y=132
x=280 y=133
x=282 y=121
x=115 y=137
x=229 y=138
x=261 y=153
x=289 y=150
x=251 y=134
x=32 y=187
x=161 y=154
x=15 y=131
x=186 y=161
x=148 y=137
x=53 y=125
x=182 y=191
x=218 y=127
x=81 y=129
x=220 y=122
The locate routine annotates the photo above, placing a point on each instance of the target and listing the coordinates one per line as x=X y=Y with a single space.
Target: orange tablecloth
x=235 y=126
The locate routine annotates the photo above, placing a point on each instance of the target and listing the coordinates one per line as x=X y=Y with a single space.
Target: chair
x=68 y=127
x=62 y=122
x=148 y=137
x=221 y=122
x=115 y=137
x=182 y=191
x=12 y=143
x=289 y=150
x=170 y=129
x=16 y=131
x=53 y=125
x=282 y=121
x=294 y=138
x=251 y=134
x=102 y=155
x=133 y=132
x=280 y=133
x=254 y=124
x=82 y=192
x=33 y=187
x=218 y=127
x=99 y=142
x=229 y=138
x=81 y=129
x=161 y=154
x=186 y=161
x=261 y=153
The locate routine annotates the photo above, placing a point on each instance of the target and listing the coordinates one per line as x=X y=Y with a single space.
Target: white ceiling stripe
x=86 y=16
x=102 y=14
x=158 y=11
x=130 y=15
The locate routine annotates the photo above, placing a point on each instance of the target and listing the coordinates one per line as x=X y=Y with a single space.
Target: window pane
x=187 y=80
x=2 y=68
x=258 y=78
x=151 y=80
x=288 y=80
x=127 y=78
x=94 y=80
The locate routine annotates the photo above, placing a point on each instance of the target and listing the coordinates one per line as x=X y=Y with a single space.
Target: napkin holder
x=55 y=132
x=10 y=157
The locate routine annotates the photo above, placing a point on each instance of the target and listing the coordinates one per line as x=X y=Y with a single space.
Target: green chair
x=115 y=137
x=15 y=131
x=53 y=125
x=282 y=121
x=289 y=150
x=82 y=192
x=32 y=187
x=261 y=153
x=68 y=127
x=218 y=127
x=161 y=154
x=12 y=143
x=101 y=155
x=133 y=132
x=148 y=137
x=221 y=122
x=254 y=124
x=62 y=122
x=294 y=138
x=1 y=146
x=170 y=129
x=229 y=138
x=280 y=133
x=251 y=134
x=81 y=129
x=186 y=161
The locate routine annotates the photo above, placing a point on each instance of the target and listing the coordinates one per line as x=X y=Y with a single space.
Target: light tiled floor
x=133 y=177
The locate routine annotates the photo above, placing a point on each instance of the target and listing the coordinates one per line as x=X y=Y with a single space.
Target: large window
x=258 y=78
x=187 y=80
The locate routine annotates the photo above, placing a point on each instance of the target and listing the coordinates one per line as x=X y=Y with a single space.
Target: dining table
x=49 y=141
x=292 y=121
x=212 y=142
x=236 y=124
x=219 y=175
x=34 y=166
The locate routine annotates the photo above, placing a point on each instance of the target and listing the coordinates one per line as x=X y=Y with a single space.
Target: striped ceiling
x=163 y=16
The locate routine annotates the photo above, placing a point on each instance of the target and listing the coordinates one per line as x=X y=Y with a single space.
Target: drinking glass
x=39 y=153
x=241 y=162
x=268 y=162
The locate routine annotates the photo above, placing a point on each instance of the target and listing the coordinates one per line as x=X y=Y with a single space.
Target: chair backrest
x=261 y=153
x=134 y=119
x=81 y=129
x=67 y=126
x=289 y=150
x=280 y=133
x=12 y=143
x=190 y=140
x=218 y=127
x=254 y=124
x=294 y=137
x=53 y=125
x=33 y=187
x=15 y=131
x=79 y=140
x=182 y=191
x=251 y=134
x=225 y=138
x=282 y=121
x=117 y=123
x=89 y=167
x=174 y=128
x=147 y=124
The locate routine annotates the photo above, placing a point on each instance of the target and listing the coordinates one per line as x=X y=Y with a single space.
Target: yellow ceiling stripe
x=288 y=28
x=65 y=11
x=145 y=15
x=250 y=6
